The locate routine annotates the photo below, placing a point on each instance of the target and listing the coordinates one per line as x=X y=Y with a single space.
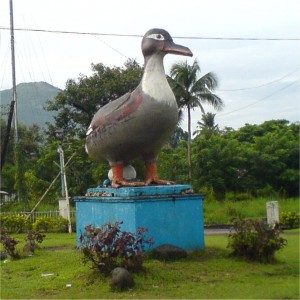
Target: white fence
x=40 y=214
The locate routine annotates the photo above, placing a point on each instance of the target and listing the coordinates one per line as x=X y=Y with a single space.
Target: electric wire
x=27 y=52
x=111 y=47
x=259 y=86
x=45 y=61
x=139 y=35
x=260 y=100
x=4 y=63
x=37 y=57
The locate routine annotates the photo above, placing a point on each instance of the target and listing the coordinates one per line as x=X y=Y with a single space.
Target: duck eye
x=156 y=36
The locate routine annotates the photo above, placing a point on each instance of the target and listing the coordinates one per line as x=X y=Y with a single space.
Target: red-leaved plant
x=9 y=244
x=108 y=247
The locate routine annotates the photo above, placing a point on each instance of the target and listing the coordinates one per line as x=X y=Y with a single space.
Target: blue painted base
x=171 y=213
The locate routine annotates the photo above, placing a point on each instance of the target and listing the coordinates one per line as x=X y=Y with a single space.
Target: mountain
x=31 y=102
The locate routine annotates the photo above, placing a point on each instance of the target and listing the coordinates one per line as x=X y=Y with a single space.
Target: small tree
x=32 y=239
x=109 y=247
x=9 y=245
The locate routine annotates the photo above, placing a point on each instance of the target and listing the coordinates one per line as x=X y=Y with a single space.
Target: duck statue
x=138 y=123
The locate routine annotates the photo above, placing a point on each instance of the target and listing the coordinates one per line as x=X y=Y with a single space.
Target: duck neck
x=154 y=81
x=154 y=64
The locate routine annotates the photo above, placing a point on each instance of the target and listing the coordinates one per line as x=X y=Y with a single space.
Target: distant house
x=4 y=197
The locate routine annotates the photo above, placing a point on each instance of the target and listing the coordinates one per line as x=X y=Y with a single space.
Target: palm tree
x=192 y=92
x=207 y=126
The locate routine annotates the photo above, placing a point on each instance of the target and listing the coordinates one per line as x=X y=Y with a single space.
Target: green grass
x=204 y=274
x=221 y=212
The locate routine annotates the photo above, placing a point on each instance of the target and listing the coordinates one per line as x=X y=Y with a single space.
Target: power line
x=258 y=86
x=264 y=98
x=236 y=38
x=71 y=32
x=111 y=47
x=139 y=36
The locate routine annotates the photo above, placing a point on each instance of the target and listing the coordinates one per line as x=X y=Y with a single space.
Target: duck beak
x=172 y=48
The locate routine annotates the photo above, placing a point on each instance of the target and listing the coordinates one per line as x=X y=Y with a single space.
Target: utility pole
x=13 y=105
x=13 y=64
x=19 y=177
x=64 y=187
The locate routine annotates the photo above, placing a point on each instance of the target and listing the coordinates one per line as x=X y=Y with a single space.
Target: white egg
x=129 y=173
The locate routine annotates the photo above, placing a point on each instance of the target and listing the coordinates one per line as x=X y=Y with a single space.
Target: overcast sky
x=258 y=79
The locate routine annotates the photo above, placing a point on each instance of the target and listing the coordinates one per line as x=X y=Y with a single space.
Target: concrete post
x=64 y=185
x=272 y=212
x=63 y=210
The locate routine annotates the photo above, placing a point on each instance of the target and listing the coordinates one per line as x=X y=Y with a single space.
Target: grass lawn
x=56 y=272
x=221 y=212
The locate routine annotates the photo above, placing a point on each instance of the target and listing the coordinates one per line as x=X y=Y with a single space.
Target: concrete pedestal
x=172 y=213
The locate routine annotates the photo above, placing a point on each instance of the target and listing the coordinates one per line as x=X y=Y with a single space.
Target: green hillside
x=31 y=99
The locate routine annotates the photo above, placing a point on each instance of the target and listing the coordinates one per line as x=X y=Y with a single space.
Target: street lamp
x=64 y=188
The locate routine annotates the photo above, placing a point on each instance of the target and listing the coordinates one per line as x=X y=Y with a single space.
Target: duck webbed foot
x=118 y=178
x=152 y=176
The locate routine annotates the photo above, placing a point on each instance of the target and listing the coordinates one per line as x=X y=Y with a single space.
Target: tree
x=76 y=106
x=207 y=127
x=192 y=92
x=28 y=149
x=270 y=158
x=172 y=162
x=178 y=136
x=81 y=99
x=216 y=162
x=79 y=171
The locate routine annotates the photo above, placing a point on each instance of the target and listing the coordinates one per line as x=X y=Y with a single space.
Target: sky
x=259 y=80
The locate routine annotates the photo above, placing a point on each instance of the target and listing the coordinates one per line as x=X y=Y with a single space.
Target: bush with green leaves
x=255 y=240
x=42 y=224
x=290 y=219
x=14 y=223
x=108 y=247
x=46 y=224
x=238 y=196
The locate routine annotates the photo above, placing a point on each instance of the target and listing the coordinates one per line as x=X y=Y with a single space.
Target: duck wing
x=115 y=111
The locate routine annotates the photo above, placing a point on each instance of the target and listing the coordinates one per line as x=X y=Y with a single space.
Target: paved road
x=226 y=231
x=216 y=231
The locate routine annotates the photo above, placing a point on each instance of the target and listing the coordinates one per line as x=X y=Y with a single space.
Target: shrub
x=209 y=193
x=42 y=224
x=290 y=219
x=266 y=192
x=14 y=223
x=255 y=240
x=238 y=197
x=47 y=224
x=31 y=241
x=9 y=245
x=109 y=247
x=59 y=225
